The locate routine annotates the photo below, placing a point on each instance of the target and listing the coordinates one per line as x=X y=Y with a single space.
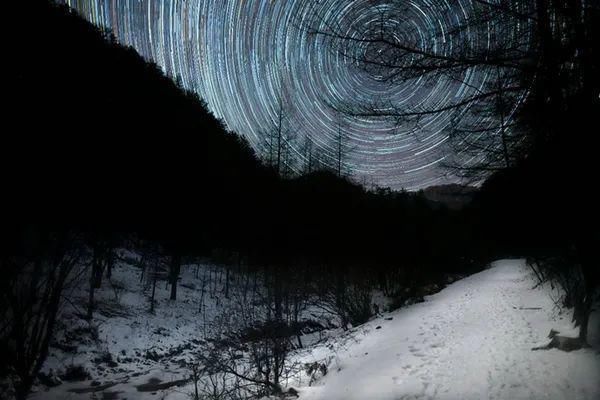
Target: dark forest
x=103 y=152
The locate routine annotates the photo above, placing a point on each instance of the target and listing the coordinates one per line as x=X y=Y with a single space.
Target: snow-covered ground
x=127 y=346
x=472 y=340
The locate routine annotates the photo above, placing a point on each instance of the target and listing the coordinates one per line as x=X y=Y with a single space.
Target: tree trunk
x=110 y=259
x=153 y=291
x=95 y=278
x=32 y=346
x=90 y=310
x=279 y=134
x=99 y=259
x=584 y=321
x=227 y=282
x=142 y=265
x=174 y=275
x=201 y=306
x=585 y=247
x=278 y=295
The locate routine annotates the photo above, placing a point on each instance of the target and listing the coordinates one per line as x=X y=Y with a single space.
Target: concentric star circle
x=240 y=55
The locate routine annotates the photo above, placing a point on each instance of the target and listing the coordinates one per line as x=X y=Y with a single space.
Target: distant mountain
x=454 y=196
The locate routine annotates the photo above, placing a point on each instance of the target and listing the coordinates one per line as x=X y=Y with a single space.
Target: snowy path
x=470 y=341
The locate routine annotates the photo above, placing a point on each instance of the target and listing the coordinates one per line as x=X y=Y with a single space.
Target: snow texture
x=472 y=340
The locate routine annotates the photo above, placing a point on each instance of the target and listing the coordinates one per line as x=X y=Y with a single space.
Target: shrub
x=75 y=373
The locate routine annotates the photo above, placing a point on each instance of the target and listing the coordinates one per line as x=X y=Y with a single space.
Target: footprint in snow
x=413 y=349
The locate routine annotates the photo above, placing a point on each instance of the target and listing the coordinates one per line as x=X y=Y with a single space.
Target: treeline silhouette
x=544 y=207
x=101 y=140
x=102 y=150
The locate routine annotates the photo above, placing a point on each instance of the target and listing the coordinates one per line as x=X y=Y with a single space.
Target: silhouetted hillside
x=97 y=134
x=101 y=140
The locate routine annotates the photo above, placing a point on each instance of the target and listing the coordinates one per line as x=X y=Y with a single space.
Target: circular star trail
x=240 y=55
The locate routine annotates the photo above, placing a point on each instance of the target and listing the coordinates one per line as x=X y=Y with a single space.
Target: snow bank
x=472 y=340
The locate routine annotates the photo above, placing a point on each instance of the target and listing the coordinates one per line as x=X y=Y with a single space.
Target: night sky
x=239 y=55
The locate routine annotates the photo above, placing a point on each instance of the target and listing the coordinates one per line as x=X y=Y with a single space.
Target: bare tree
x=98 y=264
x=308 y=153
x=502 y=52
x=491 y=140
x=350 y=303
x=483 y=57
x=254 y=338
x=566 y=271
x=494 y=55
x=342 y=146
x=279 y=138
x=313 y=156
x=211 y=385
x=31 y=304
x=174 y=271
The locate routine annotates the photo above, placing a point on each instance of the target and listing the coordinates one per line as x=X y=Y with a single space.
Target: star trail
x=239 y=55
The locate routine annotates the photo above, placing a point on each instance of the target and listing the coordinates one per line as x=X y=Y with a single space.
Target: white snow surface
x=472 y=340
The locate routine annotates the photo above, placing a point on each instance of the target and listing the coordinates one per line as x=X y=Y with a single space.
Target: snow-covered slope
x=128 y=351
x=472 y=340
